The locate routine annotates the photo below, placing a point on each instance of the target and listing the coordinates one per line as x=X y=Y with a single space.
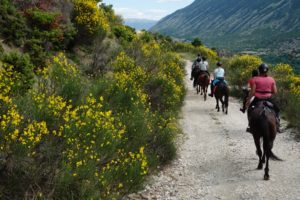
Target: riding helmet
x=263 y=68
x=219 y=64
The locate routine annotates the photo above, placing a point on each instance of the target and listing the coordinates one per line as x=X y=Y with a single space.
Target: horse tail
x=274 y=157
x=265 y=133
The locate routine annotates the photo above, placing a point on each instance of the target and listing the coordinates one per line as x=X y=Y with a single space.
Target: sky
x=146 y=9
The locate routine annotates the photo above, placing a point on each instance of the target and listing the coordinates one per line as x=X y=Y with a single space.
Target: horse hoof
x=260 y=166
x=266 y=177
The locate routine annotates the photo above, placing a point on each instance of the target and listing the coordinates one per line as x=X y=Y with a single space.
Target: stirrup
x=242 y=110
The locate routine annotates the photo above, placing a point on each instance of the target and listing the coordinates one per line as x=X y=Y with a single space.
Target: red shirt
x=251 y=81
x=264 y=85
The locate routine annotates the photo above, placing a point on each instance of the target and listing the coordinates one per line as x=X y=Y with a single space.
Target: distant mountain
x=140 y=24
x=260 y=25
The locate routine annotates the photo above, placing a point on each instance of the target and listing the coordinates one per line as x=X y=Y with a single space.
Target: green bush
x=42 y=19
x=34 y=47
x=23 y=69
x=124 y=33
x=12 y=23
x=196 y=42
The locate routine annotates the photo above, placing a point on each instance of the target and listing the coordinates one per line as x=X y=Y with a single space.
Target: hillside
x=238 y=24
x=140 y=24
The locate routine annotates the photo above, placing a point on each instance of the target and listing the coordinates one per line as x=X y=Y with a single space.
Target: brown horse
x=202 y=84
x=221 y=92
x=262 y=121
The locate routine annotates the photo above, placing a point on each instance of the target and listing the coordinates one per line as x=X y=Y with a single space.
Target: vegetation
x=196 y=42
x=70 y=130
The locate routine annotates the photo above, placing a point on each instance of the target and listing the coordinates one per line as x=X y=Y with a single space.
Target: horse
x=202 y=84
x=262 y=121
x=222 y=93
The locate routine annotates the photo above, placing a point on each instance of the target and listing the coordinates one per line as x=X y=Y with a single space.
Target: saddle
x=204 y=72
x=264 y=103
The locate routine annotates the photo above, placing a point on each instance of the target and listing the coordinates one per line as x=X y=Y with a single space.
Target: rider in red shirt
x=262 y=88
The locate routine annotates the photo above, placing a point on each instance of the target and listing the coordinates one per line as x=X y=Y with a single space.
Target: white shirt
x=204 y=66
x=219 y=73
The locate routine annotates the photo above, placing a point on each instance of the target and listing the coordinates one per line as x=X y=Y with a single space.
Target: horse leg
x=226 y=103
x=222 y=102
x=201 y=89
x=217 y=106
x=267 y=150
x=264 y=158
x=258 y=151
x=267 y=176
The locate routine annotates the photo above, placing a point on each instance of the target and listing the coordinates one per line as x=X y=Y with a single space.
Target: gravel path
x=217 y=160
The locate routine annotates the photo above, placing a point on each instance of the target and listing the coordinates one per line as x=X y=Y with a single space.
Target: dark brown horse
x=222 y=94
x=262 y=121
x=202 y=84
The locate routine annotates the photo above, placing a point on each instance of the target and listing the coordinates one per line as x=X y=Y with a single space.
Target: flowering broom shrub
x=239 y=69
x=87 y=142
x=89 y=18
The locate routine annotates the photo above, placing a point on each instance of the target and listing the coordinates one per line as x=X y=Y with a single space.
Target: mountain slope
x=235 y=24
x=140 y=24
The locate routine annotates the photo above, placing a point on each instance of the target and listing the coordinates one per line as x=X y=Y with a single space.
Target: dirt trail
x=217 y=160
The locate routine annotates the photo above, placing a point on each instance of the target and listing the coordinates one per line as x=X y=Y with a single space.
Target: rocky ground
x=217 y=160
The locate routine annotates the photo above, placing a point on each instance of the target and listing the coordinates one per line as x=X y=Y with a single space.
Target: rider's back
x=204 y=65
x=264 y=86
x=219 y=72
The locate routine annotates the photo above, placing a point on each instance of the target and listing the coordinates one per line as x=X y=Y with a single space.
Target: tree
x=197 y=42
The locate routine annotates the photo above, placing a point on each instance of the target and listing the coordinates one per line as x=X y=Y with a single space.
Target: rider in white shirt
x=204 y=66
x=219 y=74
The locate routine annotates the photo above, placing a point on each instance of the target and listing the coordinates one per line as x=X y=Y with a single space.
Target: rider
x=204 y=66
x=246 y=91
x=219 y=74
x=195 y=68
x=262 y=88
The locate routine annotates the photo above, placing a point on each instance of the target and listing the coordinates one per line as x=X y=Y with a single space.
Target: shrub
x=124 y=33
x=23 y=71
x=66 y=80
x=196 y=42
x=13 y=25
x=34 y=47
x=89 y=18
x=43 y=19
x=239 y=69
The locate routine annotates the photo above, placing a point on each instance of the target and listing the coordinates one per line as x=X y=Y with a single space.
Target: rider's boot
x=248 y=129
x=278 y=123
x=211 y=90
